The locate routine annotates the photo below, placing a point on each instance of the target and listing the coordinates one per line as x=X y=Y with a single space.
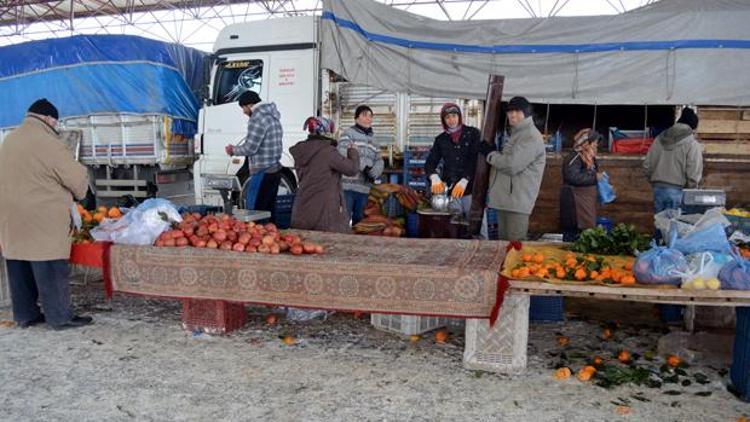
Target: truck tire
x=287 y=186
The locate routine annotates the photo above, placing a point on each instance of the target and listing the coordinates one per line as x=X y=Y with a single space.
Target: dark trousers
x=269 y=189
x=40 y=281
x=356 y=203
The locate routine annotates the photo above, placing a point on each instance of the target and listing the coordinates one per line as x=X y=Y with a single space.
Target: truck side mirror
x=208 y=63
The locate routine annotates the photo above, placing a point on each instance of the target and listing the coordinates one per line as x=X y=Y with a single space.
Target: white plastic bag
x=703 y=270
x=140 y=226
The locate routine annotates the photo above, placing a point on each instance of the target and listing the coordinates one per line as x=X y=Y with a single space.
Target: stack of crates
x=414 y=175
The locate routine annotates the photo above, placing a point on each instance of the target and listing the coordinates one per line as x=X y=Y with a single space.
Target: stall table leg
x=212 y=316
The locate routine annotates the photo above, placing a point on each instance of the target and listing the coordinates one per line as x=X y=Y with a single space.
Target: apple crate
x=407 y=325
x=501 y=348
x=212 y=316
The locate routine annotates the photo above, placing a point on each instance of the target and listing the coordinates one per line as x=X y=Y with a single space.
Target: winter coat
x=459 y=159
x=675 y=158
x=319 y=203
x=516 y=171
x=369 y=156
x=263 y=143
x=39 y=179
x=578 y=195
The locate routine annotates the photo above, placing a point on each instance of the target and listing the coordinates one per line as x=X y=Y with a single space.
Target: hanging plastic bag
x=709 y=239
x=140 y=226
x=660 y=265
x=605 y=190
x=736 y=274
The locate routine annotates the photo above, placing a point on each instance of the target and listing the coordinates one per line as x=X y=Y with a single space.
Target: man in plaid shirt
x=262 y=147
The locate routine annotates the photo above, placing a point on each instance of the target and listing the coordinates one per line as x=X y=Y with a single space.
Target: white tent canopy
x=670 y=52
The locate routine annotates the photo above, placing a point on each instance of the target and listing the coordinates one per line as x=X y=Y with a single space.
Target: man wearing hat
x=674 y=162
x=39 y=179
x=516 y=171
x=457 y=147
x=262 y=146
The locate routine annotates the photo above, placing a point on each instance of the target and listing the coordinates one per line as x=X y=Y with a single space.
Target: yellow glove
x=437 y=185
x=459 y=189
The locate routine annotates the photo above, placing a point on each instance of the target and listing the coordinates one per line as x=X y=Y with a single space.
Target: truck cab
x=278 y=59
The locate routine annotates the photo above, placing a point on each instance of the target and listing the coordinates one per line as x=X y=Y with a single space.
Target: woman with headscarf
x=457 y=146
x=578 y=197
x=319 y=203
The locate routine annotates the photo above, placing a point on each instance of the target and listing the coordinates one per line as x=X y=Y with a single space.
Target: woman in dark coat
x=319 y=203
x=578 y=197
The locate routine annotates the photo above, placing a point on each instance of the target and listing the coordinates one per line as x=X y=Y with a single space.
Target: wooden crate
x=724 y=130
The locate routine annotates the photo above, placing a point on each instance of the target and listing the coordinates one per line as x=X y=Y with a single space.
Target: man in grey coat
x=357 y=187
x=516 y=172
x=674 y=162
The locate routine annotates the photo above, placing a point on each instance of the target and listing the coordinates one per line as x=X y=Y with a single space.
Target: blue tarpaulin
x=93 y=74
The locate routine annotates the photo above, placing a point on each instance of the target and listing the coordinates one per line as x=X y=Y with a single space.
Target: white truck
x=279 y=59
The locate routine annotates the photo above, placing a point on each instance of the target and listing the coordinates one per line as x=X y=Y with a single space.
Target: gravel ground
x=137 y=363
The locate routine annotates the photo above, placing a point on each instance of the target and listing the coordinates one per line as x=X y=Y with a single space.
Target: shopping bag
x=605 y=190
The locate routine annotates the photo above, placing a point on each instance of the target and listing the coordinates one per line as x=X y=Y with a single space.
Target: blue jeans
x=43 y=281
x=355 y=205
x=667 y=197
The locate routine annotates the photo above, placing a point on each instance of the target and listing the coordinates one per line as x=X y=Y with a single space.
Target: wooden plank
x=724 y=126
x=731 y=148
x=723 y=114
x=635 y=294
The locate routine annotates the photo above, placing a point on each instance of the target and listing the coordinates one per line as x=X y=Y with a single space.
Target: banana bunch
x=738 y=212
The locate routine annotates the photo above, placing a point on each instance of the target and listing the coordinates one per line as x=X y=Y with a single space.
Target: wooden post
x=482 y=173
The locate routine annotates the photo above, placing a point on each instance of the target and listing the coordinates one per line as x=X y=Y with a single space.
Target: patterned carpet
x=440 y=277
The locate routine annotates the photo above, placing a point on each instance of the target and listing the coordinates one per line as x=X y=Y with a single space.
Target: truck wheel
x=287 y=186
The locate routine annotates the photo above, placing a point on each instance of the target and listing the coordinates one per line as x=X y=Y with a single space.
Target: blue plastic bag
x=711 y=239
x=735 y=275
x=660 y=265
x=605 y=190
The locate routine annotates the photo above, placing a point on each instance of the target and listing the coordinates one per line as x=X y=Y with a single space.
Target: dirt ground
x=137 y=363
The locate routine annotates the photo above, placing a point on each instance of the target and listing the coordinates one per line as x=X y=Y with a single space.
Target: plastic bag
x=140 y=226
x=709 y=239
x=703 y=269
x=660 y=265
x=736 y=274
x=605 y=190
x=297 y=314
x=711 y=217
x=75 y=216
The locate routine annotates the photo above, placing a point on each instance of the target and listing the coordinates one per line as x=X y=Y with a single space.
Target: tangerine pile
x=91 y=219
x=573 y=268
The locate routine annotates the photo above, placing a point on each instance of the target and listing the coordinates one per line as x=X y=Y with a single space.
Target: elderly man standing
x=39 y=180
x=516 y=172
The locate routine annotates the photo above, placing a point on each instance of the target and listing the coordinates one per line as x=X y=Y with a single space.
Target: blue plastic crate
x=284 y=203
x=547 y=308
x=412 y=225
x=670 y=313
x=740 y=372
x=392 y=208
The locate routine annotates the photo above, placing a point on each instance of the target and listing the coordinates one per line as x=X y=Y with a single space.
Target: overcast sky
x=176 y=26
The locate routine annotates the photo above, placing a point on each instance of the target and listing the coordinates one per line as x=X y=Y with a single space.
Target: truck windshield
x=235 y=77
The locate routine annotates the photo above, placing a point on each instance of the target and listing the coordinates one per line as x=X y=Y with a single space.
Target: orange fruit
x=673 y=361
x=441 y=336
x=580 y=274
x=563 y=341
x=114 y=212
x=289 y=340
x=87 y=217
x=624 y=356
x=589 y=368
x=527 y=258
x=523 y=272
x=584 y=375
x=594 y=274
x=607 y=334
x=538 y=258
x=562 y=373
x=99 y=217
x=560 y=274
x=629 y=266
x=102 y=209
x=598 y=361
x=628 y=279
x=571 y=262
x=542 y=272
x=271 y=319
x=515 y=273
x=414 y=339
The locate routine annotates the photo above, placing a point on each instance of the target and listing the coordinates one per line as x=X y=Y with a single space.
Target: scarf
x=366 y=130
x=455 y=132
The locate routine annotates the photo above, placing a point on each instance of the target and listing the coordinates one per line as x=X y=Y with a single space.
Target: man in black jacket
x=457 y=146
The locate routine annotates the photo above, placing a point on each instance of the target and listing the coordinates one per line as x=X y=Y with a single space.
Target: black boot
x=75 y=322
